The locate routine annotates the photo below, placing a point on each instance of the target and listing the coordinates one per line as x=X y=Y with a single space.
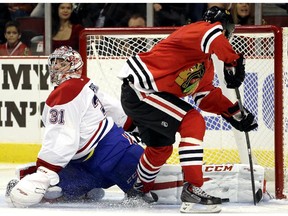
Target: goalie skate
x=195 y=200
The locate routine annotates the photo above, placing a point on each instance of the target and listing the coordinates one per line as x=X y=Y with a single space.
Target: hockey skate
x=195 y=200
x=135 y=196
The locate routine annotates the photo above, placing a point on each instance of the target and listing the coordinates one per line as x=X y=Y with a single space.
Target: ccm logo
x=218 y=168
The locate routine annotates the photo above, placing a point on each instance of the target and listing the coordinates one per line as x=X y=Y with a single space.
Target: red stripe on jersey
x=66 y=91
x=128 y=138
x=92 y=138
x=49 y=166
x=26 y=171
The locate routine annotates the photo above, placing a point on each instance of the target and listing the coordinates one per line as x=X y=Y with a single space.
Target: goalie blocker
x=229 y=182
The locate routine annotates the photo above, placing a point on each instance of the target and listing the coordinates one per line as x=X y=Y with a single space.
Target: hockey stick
x=256 y=196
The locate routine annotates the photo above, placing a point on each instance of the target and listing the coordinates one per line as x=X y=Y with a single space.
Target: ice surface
x=111 y=205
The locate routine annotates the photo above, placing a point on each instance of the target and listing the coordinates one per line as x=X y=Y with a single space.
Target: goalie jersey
x=178 y=63
x=75 y=121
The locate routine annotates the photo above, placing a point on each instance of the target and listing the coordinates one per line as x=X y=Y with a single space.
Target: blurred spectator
x=13 y=46
x=88 y=13
x=4 y=18
x=123 y=46
x=118 y=14
x=65 y=30
x=243 y=13
x=194 y=12
x=169 y=14
x=137 y=44
x=178 y=14
x=137 y=20
x=108 y=15
x=20 y=9
x=38 y=11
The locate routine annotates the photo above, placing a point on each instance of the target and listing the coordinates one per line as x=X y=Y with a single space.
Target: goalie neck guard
x=64 y=63
x=216 y=14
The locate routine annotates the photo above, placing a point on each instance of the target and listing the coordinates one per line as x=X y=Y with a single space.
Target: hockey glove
x=242 y=123
x=234 y=73
x=31 y=189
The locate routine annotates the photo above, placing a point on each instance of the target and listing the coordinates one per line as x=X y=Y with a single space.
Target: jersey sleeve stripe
x=144 y=72
x=136 y=73
x=209 y=36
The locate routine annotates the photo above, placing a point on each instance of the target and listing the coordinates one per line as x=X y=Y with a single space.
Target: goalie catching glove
x=241 y=122
x=31 y=189
x=234 y=73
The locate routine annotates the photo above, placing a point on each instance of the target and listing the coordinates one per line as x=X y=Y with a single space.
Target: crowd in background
x=69 y=19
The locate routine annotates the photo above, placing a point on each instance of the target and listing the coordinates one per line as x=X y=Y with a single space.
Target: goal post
x=264 y=91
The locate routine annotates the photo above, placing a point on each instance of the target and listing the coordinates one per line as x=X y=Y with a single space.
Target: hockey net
x=264 y=91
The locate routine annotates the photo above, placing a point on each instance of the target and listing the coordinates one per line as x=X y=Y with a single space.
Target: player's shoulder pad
x=210 y=32
x=67 y=91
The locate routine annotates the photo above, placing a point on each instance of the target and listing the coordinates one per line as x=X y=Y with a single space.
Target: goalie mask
x=64 y=63
x=216 y=14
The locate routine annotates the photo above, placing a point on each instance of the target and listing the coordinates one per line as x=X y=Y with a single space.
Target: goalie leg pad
x=196 y=208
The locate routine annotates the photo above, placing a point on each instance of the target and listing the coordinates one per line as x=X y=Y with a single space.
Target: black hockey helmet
x=216 y=14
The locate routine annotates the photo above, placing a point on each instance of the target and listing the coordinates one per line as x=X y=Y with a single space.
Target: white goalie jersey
x=75 y=120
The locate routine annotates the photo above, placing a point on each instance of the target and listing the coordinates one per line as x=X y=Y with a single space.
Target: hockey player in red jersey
x=82 y=146
x=154 y=83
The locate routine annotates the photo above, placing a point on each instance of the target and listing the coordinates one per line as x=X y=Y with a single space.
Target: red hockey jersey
x=19 y=50
x=181 y=64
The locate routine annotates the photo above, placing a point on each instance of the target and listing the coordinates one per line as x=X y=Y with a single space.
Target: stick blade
x=259 y=195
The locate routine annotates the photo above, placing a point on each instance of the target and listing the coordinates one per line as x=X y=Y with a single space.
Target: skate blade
x=196 y=208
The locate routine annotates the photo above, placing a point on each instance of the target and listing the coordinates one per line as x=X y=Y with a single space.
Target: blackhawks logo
x=189 y=79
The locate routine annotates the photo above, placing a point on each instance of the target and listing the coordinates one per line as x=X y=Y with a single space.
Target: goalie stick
x=257 y=196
